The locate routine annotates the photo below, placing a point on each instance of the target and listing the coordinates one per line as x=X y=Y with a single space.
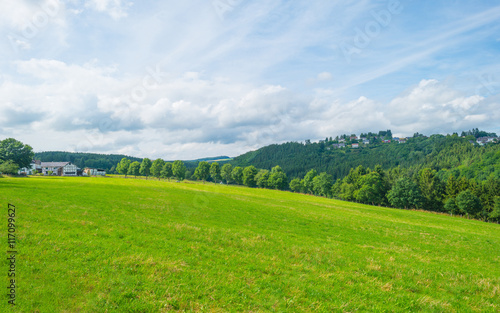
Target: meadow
x=130 y=245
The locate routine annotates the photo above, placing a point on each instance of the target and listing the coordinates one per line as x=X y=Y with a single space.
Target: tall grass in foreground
x=126 y=245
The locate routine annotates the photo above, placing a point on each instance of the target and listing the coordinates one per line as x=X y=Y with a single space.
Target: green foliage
x=179 y=169
x=157 y=167
x=123 y=166
x=297 y=185
x=15 y=151
x=166 y=171
x=277 y=179
x=405 y=194
x=145 y=169
x=134 y=169
x=468 y=202
x=308 y=181
x=237 y=175
x=262 y=179
x=322 y=185
x=495 y=213
x=215 y=172
x=451 y=207
x=373 y=189
x=8 y=167
x=226 y=172
x=202 y=172
x=249 y=174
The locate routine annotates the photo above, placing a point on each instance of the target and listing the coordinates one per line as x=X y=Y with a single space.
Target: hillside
x=437 y=152
x=131 y=245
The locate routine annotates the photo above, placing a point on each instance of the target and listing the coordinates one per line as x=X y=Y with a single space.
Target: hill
x=131 y=245
x=438 y=152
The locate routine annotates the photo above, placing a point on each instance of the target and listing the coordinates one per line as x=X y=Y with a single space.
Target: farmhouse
x=59 y=168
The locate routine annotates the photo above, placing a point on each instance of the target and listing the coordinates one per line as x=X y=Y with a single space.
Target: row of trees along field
x=147 y=168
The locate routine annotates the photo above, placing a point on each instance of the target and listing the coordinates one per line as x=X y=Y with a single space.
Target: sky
x=203 y=78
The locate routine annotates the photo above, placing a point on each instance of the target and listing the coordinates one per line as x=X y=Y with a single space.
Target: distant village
x=59 y=169
x=355 y=142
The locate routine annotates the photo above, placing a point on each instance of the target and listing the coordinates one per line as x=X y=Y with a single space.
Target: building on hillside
x=366 y=142
x=94 y=172
x=355 y=145
x=387 y=141
x=484 y=140
x=59 y=168
x=338 y=145
x=353 y=138
x=35 y=167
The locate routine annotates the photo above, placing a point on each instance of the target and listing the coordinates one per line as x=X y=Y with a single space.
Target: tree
x=249 y=174
x=123 y=166
x=308 y=181
x=145 y=169
x=467 y=202
x=322 y=184
x=226 y=172
x=450 y=206
x=179 y=169
x=405 y=194
x=373 y=189
x=278 y=179
x=157 y=167
x=134 y=169
x=237 y=175
x=215 y=172
x=17 y=152
x=432 y=189
x=297 y=185
x=495 y=214
x=166 y=171
x=9 y=167
x=202 y=171
x=262 y=179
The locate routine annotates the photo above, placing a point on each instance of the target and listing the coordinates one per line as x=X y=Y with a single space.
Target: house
x=387 y=141
x=59 y=168
x=342 y=140
x=94 y=172
x=366 y=142
x=485 y=140
x=355 y=145
x=35 y=167
x=353 y=138
x=338 y=145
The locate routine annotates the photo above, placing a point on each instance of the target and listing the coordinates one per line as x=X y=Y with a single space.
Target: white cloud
x=115 y=8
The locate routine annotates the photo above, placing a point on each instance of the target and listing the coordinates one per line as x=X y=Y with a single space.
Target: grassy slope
x=126 y=245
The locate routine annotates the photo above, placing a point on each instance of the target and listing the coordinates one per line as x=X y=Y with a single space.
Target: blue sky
x=221 y=77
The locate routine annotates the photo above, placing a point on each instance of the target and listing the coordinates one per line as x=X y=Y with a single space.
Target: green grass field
x=127 y=245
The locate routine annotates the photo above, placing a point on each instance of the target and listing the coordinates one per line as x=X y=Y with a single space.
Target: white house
x=59 y=168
